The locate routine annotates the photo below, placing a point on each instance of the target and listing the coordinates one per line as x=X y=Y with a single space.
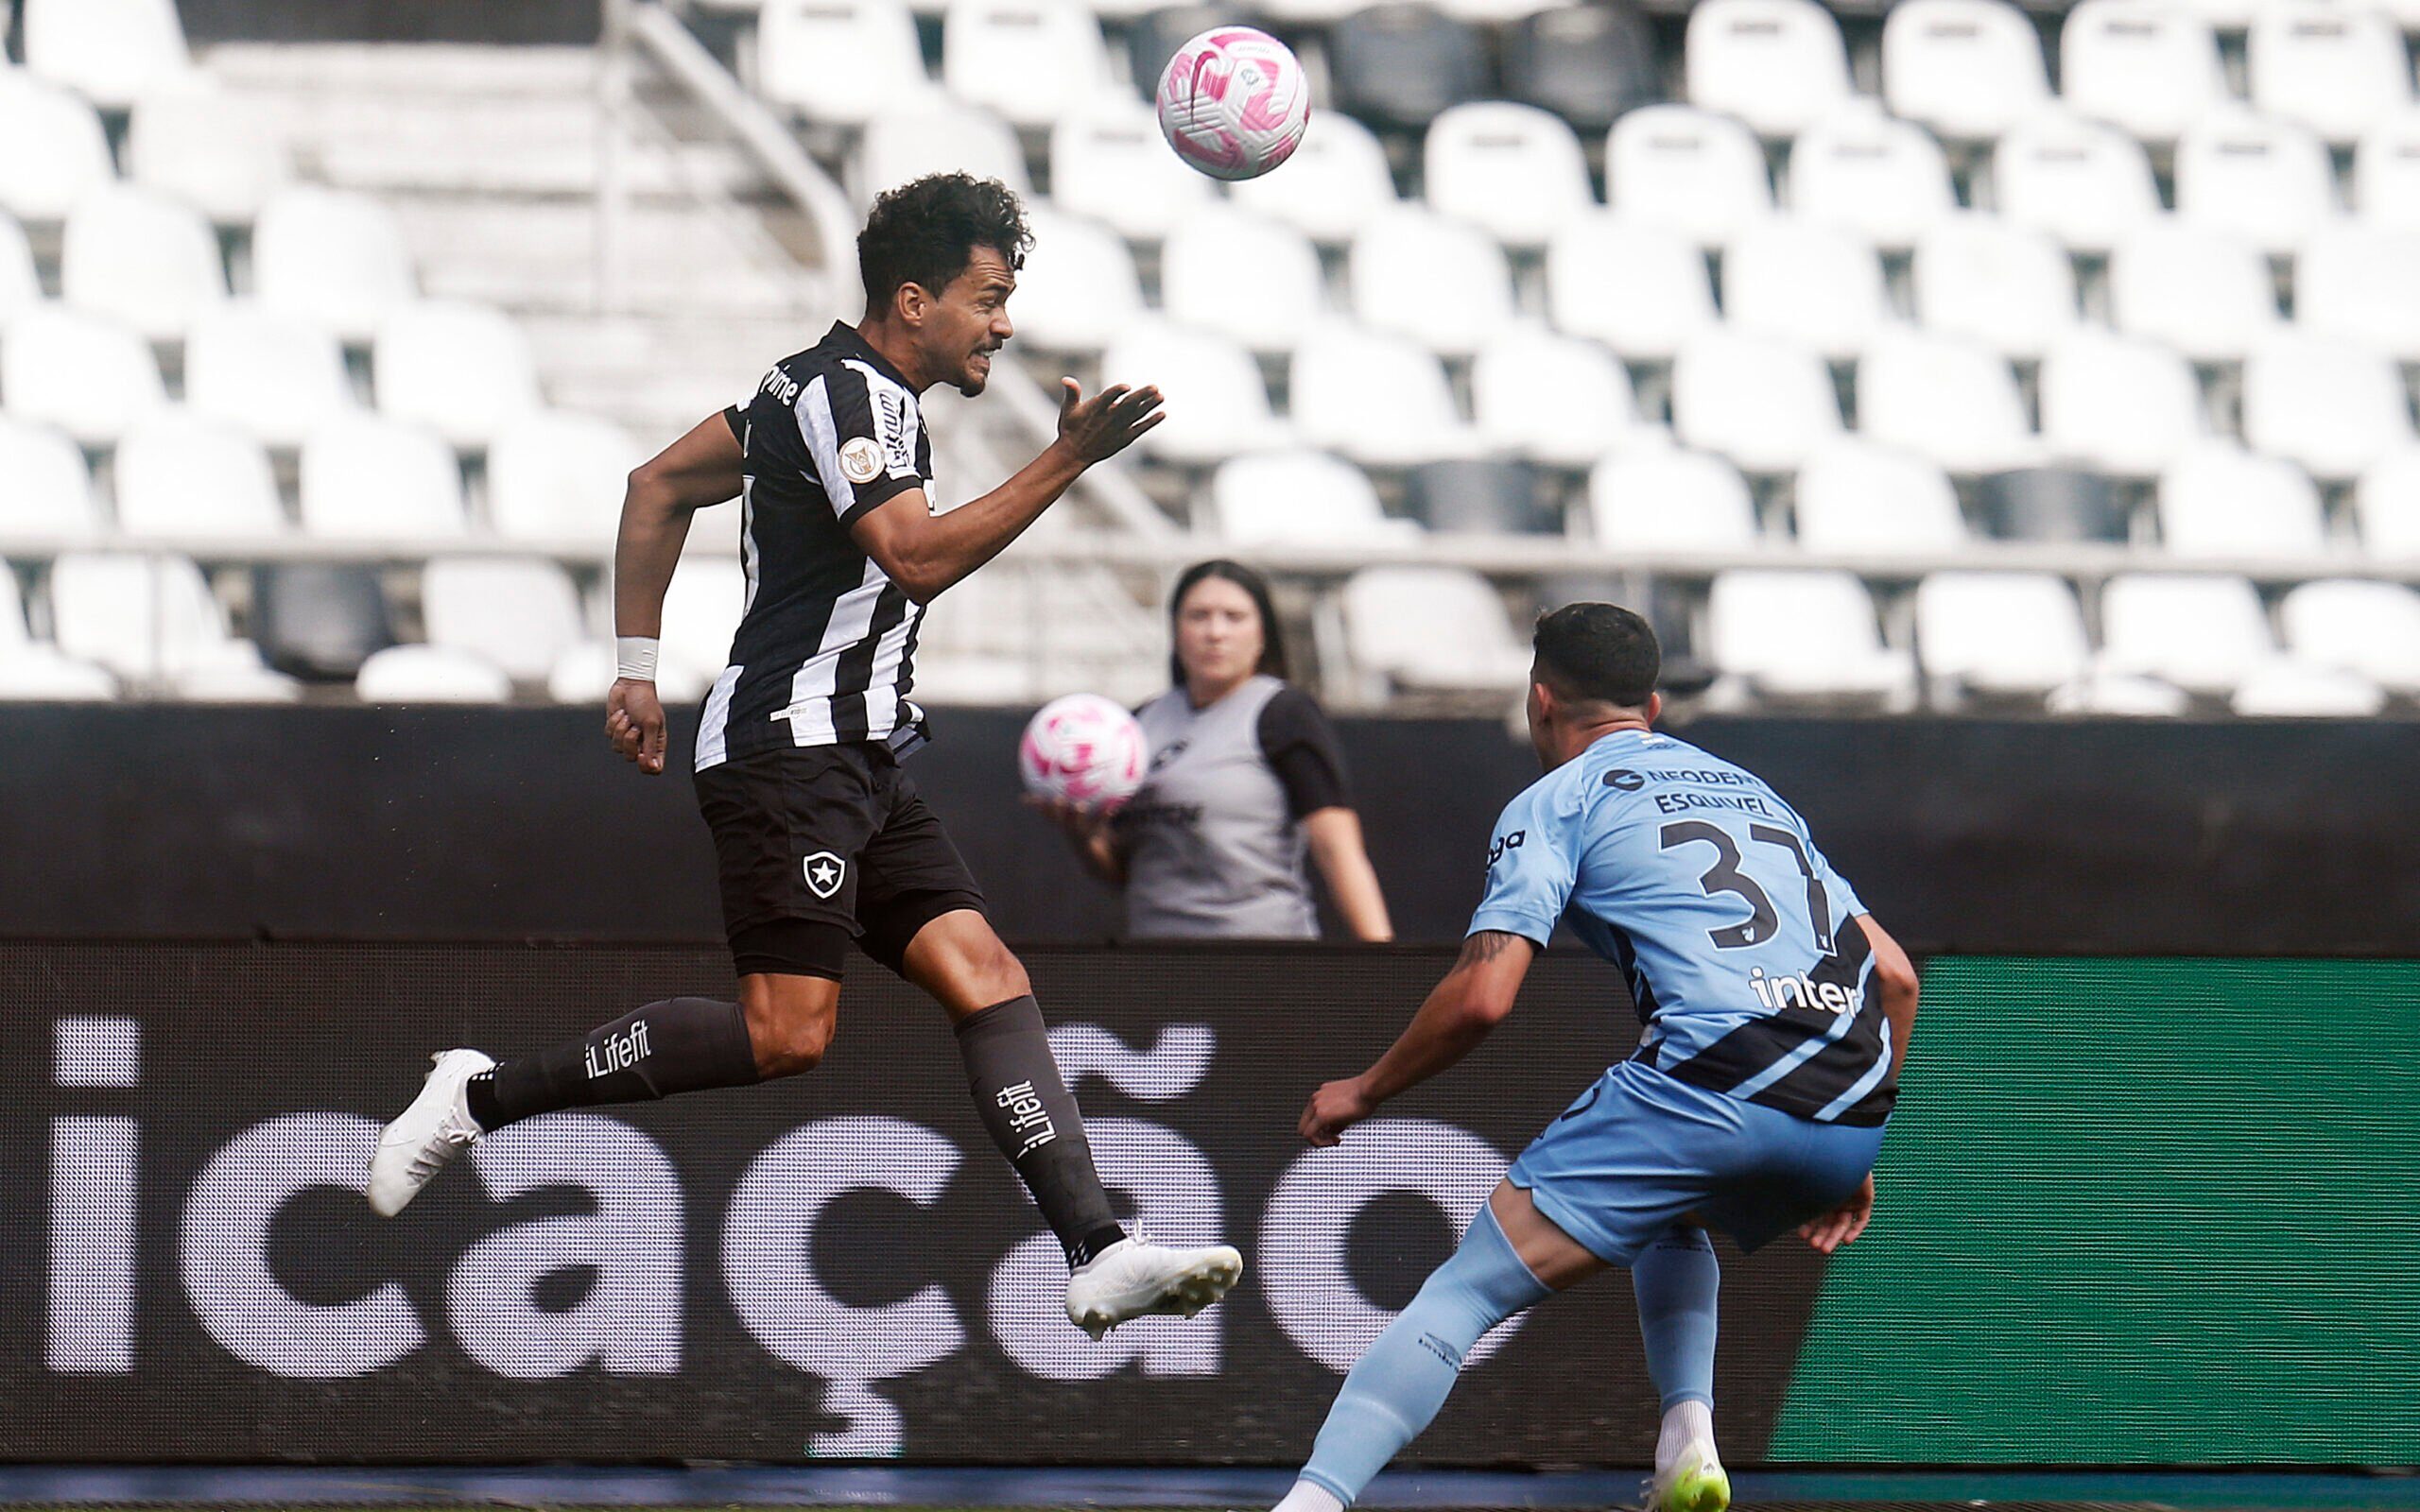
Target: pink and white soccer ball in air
x=1083 y=750
x=1234 y=102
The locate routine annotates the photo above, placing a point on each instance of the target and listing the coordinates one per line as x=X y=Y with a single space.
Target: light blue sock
x=1676 y=1279
x=1399 y=1384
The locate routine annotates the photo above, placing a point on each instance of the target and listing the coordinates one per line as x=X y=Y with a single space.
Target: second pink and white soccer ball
x=1233 y=102
x=1082 y=750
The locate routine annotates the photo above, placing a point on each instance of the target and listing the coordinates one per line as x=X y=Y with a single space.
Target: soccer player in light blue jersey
x=1776 y=1016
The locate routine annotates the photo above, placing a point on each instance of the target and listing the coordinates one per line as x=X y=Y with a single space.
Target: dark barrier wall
x=2237 y=838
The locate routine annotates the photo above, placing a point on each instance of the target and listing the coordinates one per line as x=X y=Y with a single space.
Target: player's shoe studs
x=1136 y=1278
x=1694 y=1482
x=427 y=1135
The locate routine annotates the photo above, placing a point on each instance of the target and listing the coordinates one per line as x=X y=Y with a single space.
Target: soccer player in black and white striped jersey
x=821 y=837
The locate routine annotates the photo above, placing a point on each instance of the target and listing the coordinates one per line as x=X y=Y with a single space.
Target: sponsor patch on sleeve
x=860 y=459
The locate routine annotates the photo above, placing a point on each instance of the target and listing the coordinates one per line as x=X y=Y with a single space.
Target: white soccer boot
x=1134 y=1278
x=425 y=1137
x=1694 y=1481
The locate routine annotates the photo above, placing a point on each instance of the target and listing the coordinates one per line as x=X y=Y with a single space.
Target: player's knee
x=1002 y=973
x=790 y=1030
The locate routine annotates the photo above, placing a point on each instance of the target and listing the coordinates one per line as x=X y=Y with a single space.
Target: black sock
x=1032 y=1117
x=680 y=1045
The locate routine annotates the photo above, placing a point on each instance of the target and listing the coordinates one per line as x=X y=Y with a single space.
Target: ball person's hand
x=1081 y=823
x=634 y=724
x=1843 y=1223
x=1098 y=428
x=1335 y=1107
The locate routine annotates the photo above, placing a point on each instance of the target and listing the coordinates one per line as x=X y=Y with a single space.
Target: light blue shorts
x=1639 y=1150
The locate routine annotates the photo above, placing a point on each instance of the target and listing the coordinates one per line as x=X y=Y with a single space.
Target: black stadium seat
x=319 y=620
x=2052 y=503
x=1396 y=66
x=1586 y=63
x=1486 y=498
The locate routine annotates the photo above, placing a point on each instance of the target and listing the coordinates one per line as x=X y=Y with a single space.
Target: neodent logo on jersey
x=1779 y=992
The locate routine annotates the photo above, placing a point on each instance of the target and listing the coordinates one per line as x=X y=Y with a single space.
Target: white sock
x=1688 y=1422
x=1305 y=1497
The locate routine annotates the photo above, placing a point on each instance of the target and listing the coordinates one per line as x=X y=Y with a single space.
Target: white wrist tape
x=634 y=657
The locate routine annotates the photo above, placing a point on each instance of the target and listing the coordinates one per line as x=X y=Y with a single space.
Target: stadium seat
x=2052 y=503
x=180 y=476
x=701 y=610
x=1479 y=496
x=2207 y=293
x=2372 y=629
x=462 y=369
x=2386 y=172
x=429 y=674
x=1691 y=170
x=517 y=614
x=34 y=672
x=1989 y=280
x=2387 y=502
x=2335 y=69
x=218 y=152
x=1553 y=399
x=1077 y=288
x=1336 y=183
x=1641 y=290
x=1302 y=497
x=2150 y=69
x=1432 y=629
x=320 y=621
x=275 y=375
x=333 y=258
x=52 y=149
x=50 y=490
x=1856 y=498
x=2222 y=16
x=1398 y=66
x=2086 y=183
x=141 y=617
x=1441 y=283
x=2119 y=404
x=1954 y=402
x=1306 y=12
x=2219 y=500
x=1586 y=63
x=1802 y=635
x=1245 y=277
x=1217 y=403
x=2101 y=693
x=2000 y=633
x=2203 y=634
x=110 y=51
x=2289 y=688
x=1806 y=283
x=1966 y=70
x=2268 y=181
x=1108 y=161
x=1860 y=169
x=142 y=257
x=839 y=61
x=2362 y=282
x=1030 y=61
x=1779 y=65
x=87 y=374
x=1761 y=402
x=934 y=134
x=367 y=477
x=2333 y=406
x=1513 y=171
x=1499 y=13
x=556 y=477
x=1157 y=30
x=1662 y=497
x=20 y=280
x=1382 y=400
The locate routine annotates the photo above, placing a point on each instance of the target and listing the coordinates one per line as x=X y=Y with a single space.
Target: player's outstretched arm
x=1472 y=1000
x=701 y=467
x=925 y=552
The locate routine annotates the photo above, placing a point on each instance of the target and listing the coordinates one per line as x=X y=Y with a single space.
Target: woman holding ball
x=1245 y=785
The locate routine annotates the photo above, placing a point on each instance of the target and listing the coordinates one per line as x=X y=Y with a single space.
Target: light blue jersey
x=1704 y=888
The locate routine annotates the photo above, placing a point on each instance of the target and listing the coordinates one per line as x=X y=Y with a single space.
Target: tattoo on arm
x=1485 y=946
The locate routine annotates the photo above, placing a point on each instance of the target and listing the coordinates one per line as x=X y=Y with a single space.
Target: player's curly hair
x=1599 y=653
x=926 y=232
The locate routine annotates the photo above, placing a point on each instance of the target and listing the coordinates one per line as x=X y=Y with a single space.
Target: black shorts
x=819 y=844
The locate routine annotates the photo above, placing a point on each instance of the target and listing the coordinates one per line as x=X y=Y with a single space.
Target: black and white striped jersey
x=826 y=650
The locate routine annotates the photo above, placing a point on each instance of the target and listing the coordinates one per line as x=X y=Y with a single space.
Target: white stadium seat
x=33 y=672
x=2291 y=689
x=1802 y=635
x=2219 y=500
x=180 y=476
x=2333 y=406
x=1030 y=61
x=1109 y=160
x=1299 y=496
x=1857 y=168
x=1810 y=284
x=2202 y=634
x=275 y=375
x=2372 y=629
x=1856 y=497
x=50 y=488
x=2000 y=633
x=1077 y=288
x=1514 y=171
x=1555 y=401
x=1779 y=65
x=2387 y=502
x=218 y=152
x=2149 y=68
x=2268 y=181
x=1696 y=172
x=2335 y=69
x=1249 y=278
x=1382 y=400
x=20 y=280
x=1336 y=183
x=520 y=614
x=330 y=257
x=1217 y=402
x=934 y=134
x=464 y=369
x=1641 y=290
x=1665 y=497
x=366 y=476
x=839 y=61
x=2119 y=404
x=142 y=257
x=1761 y=402
x=2362 y=282
x=87 y=374
x=110 y=51
x=1442 y=282
x=2086 y=183
x=429 y=674
x=141 y=617
x=1965 y=69
x=2207 y=293
x=2223 y=15
x=52 y=151
x=1433 y=628
x=2386 y=172
x=1954 y=402
x=1989 y=280
x=701 y=610
x=556 y=477
x=2103 y=694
